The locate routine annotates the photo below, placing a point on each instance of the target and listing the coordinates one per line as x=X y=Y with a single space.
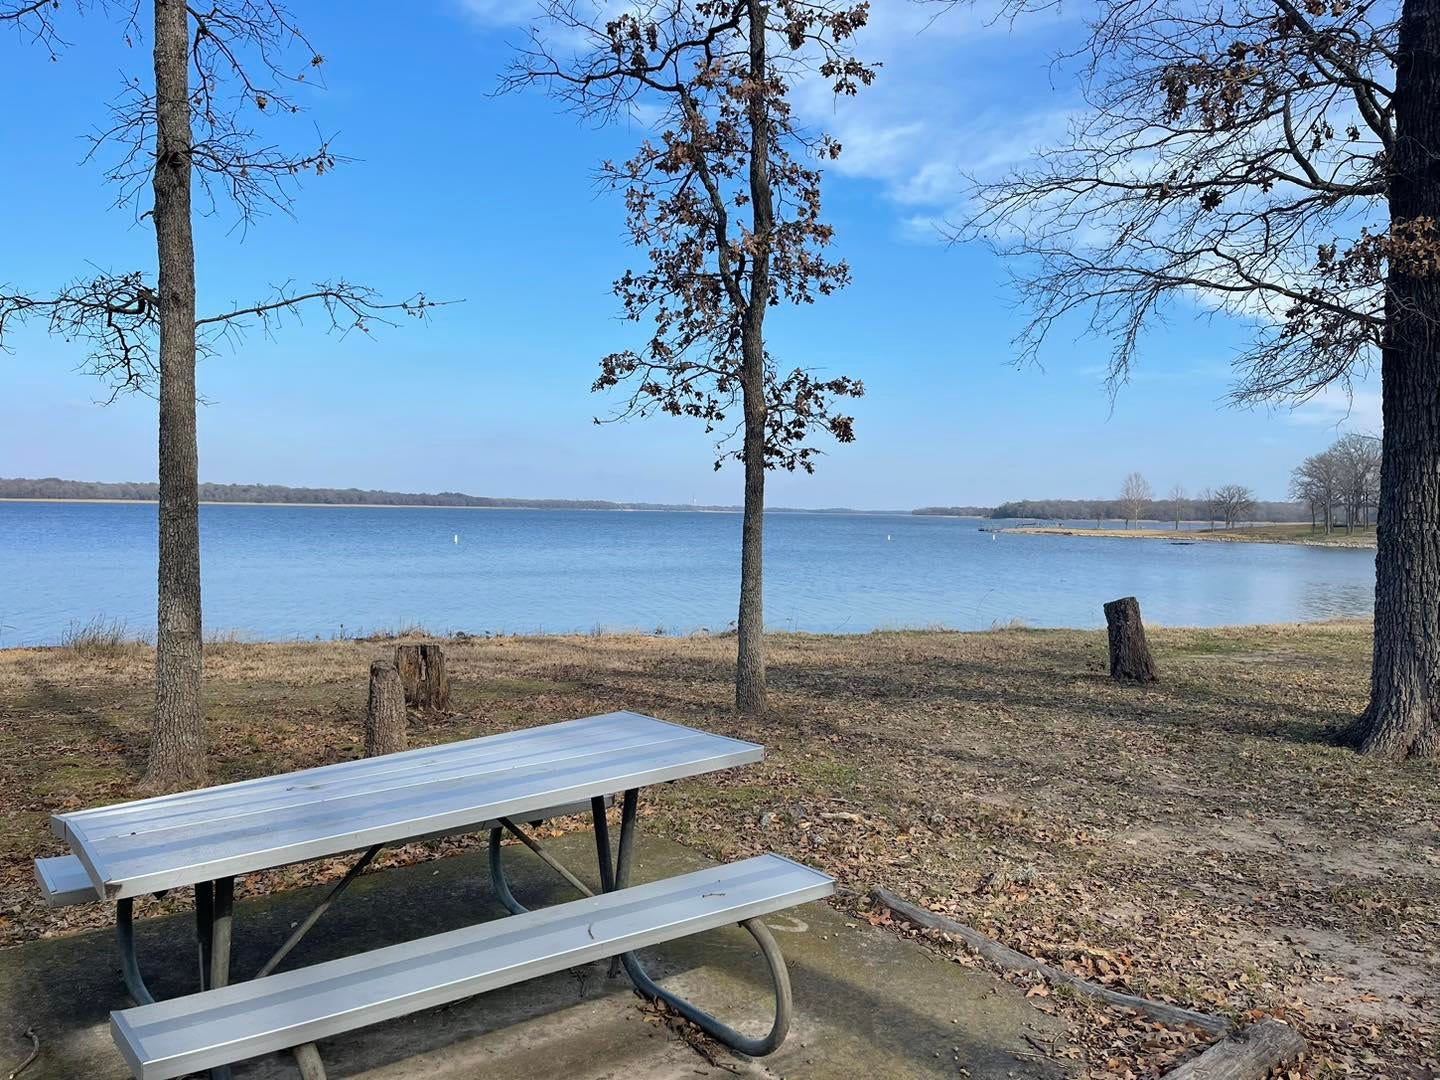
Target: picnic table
x=203 y=840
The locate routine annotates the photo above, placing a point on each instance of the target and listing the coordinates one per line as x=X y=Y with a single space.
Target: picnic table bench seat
x=64 y=882
x=234 y=1023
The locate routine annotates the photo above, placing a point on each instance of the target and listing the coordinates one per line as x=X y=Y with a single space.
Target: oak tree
x=723 y=199
x=1234 y=503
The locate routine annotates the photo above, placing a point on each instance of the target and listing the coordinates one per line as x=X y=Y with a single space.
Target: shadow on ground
x=867 y=1002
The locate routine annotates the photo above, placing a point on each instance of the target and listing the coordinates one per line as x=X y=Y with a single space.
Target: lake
x=301 y=571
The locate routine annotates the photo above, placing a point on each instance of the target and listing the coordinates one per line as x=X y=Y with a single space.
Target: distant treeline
x=955 y=511
x=53 y=488
x=1153 y=510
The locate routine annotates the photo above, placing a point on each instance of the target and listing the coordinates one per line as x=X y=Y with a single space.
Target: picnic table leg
x=222 y=918
x=648 y=987
x=498 y=881
x=129 y=965
x=222 y=894
x=620 y=877
x=602 y=844
x=628 y=806
x=204 y=926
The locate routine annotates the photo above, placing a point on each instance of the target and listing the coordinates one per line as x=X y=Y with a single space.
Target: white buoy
x=457 y=539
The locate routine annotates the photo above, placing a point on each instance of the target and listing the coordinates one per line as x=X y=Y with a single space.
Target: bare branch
x=1233 y=158
x=116 y=317
x=34 y=20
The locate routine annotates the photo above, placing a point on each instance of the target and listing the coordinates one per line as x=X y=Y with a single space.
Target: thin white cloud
x=501 y=12
x=959 y=95
x=1354 y=409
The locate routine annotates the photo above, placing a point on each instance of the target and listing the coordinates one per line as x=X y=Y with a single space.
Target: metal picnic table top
x=135 y=848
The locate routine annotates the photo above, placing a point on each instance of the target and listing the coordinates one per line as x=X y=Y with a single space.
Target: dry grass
x=1202 y=839
x=101 y=637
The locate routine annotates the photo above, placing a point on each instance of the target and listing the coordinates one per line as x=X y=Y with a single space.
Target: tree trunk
x=1401 y=719
x=177 y=744
x=1247 y=1055
x=1129 y=653
x=750 y=695
x=385 y=712
x=422 y=674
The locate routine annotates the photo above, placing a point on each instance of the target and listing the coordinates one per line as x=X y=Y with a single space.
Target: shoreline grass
x=1259 y=533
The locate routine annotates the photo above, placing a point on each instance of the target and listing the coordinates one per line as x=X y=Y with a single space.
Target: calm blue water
x=278 y=572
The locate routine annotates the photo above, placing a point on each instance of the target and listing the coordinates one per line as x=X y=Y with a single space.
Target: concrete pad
x=867 y=1003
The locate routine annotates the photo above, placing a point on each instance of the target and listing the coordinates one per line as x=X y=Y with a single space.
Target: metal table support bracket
x=310 y=920
x=616 y=875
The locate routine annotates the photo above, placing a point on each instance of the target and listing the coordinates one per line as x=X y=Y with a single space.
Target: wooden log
x=1005 y=957
x=307 y=1057
x=385 y=713
x=1130 y=658
x=423 y=676
x=1246 y=1055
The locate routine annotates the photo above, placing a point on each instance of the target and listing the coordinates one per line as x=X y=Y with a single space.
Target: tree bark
x=177 y=745
x=1130 y=658
x=422 y=674
x=385 y=712
x=750 y=690
x=1400 y=720
x=1246 y=1055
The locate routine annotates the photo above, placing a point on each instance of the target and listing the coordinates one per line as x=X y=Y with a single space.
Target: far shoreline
x=1266 y=533
x=457 y=506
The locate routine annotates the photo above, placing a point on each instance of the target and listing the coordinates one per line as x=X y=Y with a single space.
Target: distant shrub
x=99 y=637
x=1012 y=623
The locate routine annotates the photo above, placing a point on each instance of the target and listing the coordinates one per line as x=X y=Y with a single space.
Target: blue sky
x=492 y=200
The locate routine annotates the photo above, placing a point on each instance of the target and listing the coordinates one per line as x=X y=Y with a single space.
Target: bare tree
x=1207 y=499
x=726 y=203
x=1178 y=499
x=1316 y=481
x=1234 y=503
x=1272 y=159
x=211 y=67
x=1135 y=495
x=1357 y=462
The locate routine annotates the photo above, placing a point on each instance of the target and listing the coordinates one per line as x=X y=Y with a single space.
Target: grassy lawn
x=1202 y=839
x=1360 y=536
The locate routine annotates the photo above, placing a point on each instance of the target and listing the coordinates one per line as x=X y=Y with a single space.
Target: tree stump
x=422 y=674
x=1130 y=658
x=385 y=714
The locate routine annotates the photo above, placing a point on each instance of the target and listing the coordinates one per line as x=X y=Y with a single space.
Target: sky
x=491 y=200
